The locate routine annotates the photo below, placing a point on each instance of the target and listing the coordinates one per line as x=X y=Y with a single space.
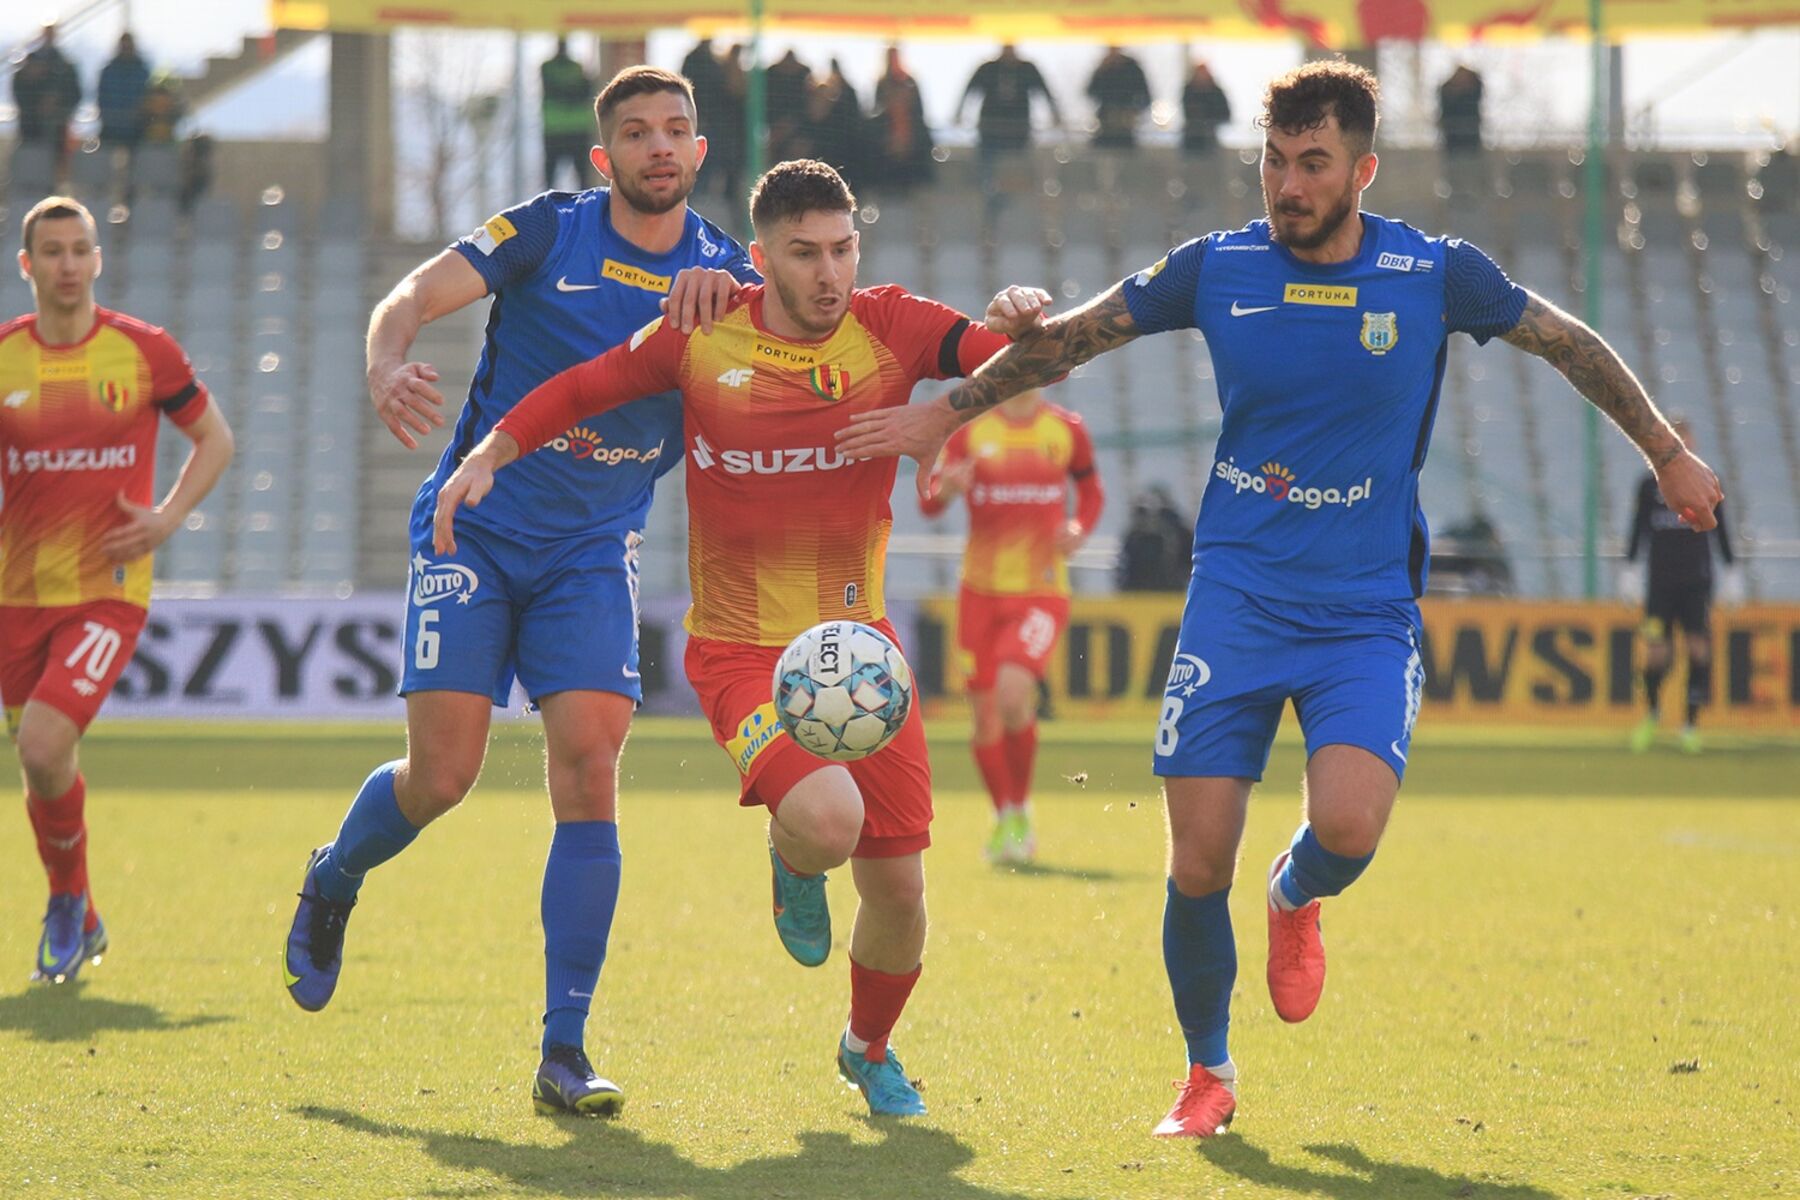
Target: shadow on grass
x=610 y=1159
x=61 y=1013
x=1363 y=1178
x=1044 y=870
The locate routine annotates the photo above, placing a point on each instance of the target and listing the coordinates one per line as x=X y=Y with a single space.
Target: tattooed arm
x=1043 y=352
x=1598 y=373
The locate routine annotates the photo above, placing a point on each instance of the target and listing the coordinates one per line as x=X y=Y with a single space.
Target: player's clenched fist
x=469 y=484
x=1016 y=310
x=1691 y=490
x=405 y=400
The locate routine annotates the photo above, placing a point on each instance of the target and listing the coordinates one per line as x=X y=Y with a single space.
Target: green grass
x=1552 y=936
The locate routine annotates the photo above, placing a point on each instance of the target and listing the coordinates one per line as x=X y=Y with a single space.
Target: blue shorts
x=560 y=615
x=1352 y=670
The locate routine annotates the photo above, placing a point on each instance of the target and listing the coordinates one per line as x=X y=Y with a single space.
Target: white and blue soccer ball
x=842 y=690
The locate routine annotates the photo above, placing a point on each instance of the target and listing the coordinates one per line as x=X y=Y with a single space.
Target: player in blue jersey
x=1328 y=330
x=544 y=583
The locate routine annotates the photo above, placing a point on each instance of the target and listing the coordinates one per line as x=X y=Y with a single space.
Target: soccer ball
x=842 y=690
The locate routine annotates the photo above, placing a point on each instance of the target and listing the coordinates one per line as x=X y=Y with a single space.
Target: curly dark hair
x=639 y=81
x=789 y=190
x=1303 y=98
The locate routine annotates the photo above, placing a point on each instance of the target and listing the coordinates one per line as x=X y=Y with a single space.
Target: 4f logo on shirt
x=1380 y=332
x=737 y=377
x=17 y=399
x=830 y=381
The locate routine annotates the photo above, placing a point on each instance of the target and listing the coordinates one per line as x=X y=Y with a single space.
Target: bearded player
x=1015 y=467
x=763 y=396
x=82 y=393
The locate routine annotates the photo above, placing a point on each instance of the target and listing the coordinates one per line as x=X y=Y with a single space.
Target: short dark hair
x=789 y=190
x=53 y=208
x=640 y=81
x=1303 y=98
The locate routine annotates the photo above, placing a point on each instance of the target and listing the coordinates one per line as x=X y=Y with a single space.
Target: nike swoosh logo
x=1395 y=747
x=563 y=285
x=1238 y=309
x=46 y=963
x=288 y=975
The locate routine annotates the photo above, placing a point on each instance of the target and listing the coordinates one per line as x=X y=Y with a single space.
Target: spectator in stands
x=1156 y=554
x=902 y=140
x=718 y=97
x=839 y=128
x=568 y=115
x=123 y=83
x=164 y=107
x=46 y=91
x=1006 y=85
x=1204 y=107
x=1459 y=112
x=787 y=92
x=1121 y=96
x=196 y=170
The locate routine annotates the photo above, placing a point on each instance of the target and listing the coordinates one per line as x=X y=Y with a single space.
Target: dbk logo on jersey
x=433 y=582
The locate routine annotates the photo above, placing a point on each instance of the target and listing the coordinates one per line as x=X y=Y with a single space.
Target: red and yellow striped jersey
x=78 y=428
x=1018 y=500
x=783 y=531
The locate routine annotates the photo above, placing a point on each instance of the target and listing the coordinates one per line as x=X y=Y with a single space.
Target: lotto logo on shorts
x=434 y=582
x=1187 y=675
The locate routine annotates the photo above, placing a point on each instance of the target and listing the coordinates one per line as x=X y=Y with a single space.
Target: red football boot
x=1296 y=954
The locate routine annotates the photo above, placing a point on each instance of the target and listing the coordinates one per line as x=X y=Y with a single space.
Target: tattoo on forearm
x=1047 y=353
x=1598 y=373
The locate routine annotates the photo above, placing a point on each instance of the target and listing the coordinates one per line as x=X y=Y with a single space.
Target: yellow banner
x=1486 y=661
x=1336 y=23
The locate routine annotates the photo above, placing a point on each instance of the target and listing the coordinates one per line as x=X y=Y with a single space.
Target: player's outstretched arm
x=143 y=528
x=469 y=484
x=1044 y=354
x=402 y=391
x=1599 y=374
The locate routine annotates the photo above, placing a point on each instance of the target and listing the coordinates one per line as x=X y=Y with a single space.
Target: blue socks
x=1313 y=871
x=581 y=890
x=1201 y=956
x=374 y=830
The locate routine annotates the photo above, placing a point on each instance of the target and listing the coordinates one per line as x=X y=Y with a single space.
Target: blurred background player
x=1679 y=592
x=1014 y=465
x=1311 y=549
x=545 y=584
x=81 y=392
x=764 y=395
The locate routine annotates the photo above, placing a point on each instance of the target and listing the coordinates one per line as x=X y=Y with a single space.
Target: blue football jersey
x=567 y=288
x=1328 y=378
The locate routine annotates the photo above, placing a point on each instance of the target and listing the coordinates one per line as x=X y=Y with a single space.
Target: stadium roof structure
x=1340 y=24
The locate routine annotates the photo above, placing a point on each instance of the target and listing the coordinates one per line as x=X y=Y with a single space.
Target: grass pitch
x=1571 y=973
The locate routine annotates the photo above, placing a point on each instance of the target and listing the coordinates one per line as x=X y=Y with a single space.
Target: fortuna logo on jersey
x=585 y=445
x=1187 y=674
x=78 y=458
x=433 y=582
x=1277 y=482
x=801 y=461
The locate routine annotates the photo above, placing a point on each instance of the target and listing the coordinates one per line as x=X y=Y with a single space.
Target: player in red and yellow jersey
x=784 y=534
x=81 y=392
x=1015 y=465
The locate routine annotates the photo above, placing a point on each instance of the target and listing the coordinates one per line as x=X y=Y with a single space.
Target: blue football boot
x=883 y=1083
x=315 y=944
x=802 y=917
x=62 y=947
x=566 y=1083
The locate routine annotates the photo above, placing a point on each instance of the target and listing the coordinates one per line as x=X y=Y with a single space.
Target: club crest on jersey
x=830 y=381
x=115 y=395
x=437 y=581
x=1380 y=332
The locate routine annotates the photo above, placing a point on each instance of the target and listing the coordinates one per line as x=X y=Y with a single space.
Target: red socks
x=62 y=841
x=876 y=999
x=1021 y=757
x=995 y=773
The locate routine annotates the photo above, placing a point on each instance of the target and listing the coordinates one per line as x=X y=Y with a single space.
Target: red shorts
x=735 y=684
x=68 y=658
x=1007 y=629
